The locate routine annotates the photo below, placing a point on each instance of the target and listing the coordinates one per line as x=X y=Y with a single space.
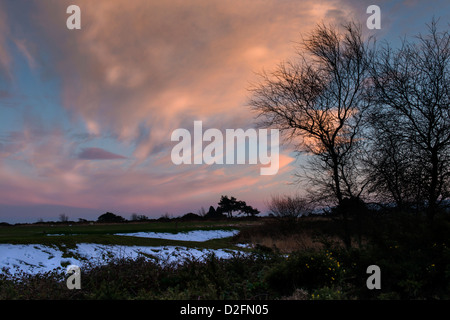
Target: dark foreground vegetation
x=412 y=252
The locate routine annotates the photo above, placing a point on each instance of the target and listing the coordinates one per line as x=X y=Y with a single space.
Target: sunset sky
x=86 y=115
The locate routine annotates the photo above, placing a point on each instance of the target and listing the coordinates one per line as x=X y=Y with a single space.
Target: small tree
x=213 y=213
x=63 y=217
x=249 y=210
x=288 y=207
x=230 y=205
x=109 y=217
x=138 y=217
x=201 y=212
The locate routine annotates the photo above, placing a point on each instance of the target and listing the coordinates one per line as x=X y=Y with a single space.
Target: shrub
x=288 y=207
x=239 y=277
x=110 y=217
x=328 y=293
x=308 y=270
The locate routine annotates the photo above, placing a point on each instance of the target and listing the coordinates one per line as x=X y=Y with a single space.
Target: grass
x=72 y=234
x=302 y=259
x=287 y=236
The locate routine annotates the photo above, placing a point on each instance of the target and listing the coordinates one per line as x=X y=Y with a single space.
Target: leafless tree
x=63 y=217
x=317 y=101
x=392 y=170
x=289 y=207
x=412 y=86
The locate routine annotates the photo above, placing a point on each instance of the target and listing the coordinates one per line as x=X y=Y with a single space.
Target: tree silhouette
x=318 y=103
x=230 y=205
x=412 y=84
x=288 y=207
x=110 y=217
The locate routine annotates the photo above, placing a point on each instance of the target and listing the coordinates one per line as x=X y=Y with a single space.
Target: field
x=104 y=233
x=260 y=258
x=46 y=247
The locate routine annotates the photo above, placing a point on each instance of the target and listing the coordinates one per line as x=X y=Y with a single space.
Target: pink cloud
x=135 y=72
x=160 y=63
x=23 y=47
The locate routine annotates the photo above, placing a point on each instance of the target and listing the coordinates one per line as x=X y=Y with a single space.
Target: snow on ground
x=36 y=258
x=196 y=235
x=32 y=258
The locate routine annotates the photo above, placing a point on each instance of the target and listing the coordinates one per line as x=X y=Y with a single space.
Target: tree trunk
x=342 y=211
x=432 y=192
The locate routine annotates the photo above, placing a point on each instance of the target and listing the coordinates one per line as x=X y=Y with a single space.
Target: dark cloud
x=98 y=154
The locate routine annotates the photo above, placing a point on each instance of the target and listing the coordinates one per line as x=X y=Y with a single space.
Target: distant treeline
x=225 y=209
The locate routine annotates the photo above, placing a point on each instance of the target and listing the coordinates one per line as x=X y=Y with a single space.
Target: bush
x=328 y=293
x=288 y=207
x=110 y=217
x=191 y=217
x=239 y=277
x=307 y=270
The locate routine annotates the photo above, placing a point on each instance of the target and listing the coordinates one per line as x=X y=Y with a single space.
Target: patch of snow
x=37 y=258
x=196 y=235
x=33 y=259
x=244 y=245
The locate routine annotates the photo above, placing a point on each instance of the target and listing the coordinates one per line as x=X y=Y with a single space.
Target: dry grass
x=291 y=243
x=289 y=237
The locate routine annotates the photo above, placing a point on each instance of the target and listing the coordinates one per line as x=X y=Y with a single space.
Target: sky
x=86 y=116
